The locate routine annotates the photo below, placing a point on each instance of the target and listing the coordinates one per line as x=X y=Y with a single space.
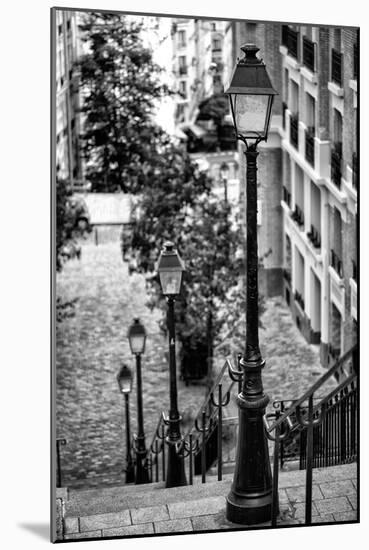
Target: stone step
x=114 y=499
x=201 y=507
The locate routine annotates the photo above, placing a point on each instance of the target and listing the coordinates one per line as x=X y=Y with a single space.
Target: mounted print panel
x=205 y=188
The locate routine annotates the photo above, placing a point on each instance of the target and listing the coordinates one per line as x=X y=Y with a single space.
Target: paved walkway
x=142 y=510
x=92 y=344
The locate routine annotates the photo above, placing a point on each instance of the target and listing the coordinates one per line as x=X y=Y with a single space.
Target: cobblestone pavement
x=92 y=344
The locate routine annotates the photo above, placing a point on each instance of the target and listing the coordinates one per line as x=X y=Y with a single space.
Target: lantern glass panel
x=125 y=384
x=170 y=282
x=137 y=343
x=251 y=114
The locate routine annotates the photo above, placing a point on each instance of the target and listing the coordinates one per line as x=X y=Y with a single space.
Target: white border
x=25 y=275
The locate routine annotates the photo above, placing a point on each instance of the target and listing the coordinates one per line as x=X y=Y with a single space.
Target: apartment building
x=198 y=68
x=308 y=178
x=68 y=158
x=320 y=180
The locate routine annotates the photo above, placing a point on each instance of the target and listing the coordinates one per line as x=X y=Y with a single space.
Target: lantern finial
x=250 y=51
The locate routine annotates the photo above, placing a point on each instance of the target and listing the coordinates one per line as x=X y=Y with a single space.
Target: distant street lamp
x=171 y=268
x=124 y=379
x=250 y=500
x=224 y=170
x=137 y=340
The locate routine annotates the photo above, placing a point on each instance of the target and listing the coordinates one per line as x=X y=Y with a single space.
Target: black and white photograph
x=205 y=185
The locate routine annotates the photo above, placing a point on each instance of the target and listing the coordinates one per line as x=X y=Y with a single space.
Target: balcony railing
x=299 y=299
x=287 y=275
x=334 y=351
x=354 y=270
x=314 y=237
x=298 y=216
x=285 y=31
x=354 y=171
x=355 y=62
x=290 y=39
x=309 y=145
x=308 y=54
x=336 y=72
x=336 y=263
x=336 y=164
x=294 y=130
x=284 y=108
x=286 y=196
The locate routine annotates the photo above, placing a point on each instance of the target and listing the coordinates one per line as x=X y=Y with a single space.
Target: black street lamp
x=250 y=500
x=137 y=340
x=170 y=268
x=224 y=169
x=124 y=378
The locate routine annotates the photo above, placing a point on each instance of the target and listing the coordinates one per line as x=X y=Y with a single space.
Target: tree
x=72 y=222
x=119 y=83
x=180 y=206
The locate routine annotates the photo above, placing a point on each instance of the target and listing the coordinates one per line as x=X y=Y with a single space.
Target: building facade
x=68 y=122
x=308 y=178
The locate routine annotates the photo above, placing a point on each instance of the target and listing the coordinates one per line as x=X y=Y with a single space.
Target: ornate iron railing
x=59 y=442
x=336 y=67
x=299 y=299
x=336 y=263
x=314 y=236
x=307 y=414
x=308 y=53
x=309 y=145
x=298 y=215
x=290 y=39
x=294 y=130
x=354 y=171
x=287 y=275
x=354 y=270
x=355 y=61
x=286 y=196
x=336 y=164
x=315 y=431
x=284 y=109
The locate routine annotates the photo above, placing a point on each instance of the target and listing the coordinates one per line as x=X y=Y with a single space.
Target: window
x=217 y=44
x=213 y=27
x=181 y=39
x=60 y=29
x=182 y=65
x=183 y=88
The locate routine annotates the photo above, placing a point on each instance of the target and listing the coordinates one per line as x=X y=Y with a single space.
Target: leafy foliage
x=182 y=208
x=72 y=223
x=119 y=83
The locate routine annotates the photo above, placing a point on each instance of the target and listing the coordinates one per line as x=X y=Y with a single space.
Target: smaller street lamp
x=224 y=170
x=137 y=340
x=124 y=378
x=171 y=268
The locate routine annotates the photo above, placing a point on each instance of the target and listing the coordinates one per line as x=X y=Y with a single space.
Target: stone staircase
x=137 y=510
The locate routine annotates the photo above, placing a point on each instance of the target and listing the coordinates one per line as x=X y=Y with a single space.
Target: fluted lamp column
x=170 y=268
x=137 y=340
x=250 y=500
x=124 y=379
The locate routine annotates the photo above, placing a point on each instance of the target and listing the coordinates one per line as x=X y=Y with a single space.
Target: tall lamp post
x=137 y=340
x=224 y=169
x=170 y=268
x=250 y=500
x=124 y=378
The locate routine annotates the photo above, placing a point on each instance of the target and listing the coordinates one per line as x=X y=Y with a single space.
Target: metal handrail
x=207 y=400
x=313 y=389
